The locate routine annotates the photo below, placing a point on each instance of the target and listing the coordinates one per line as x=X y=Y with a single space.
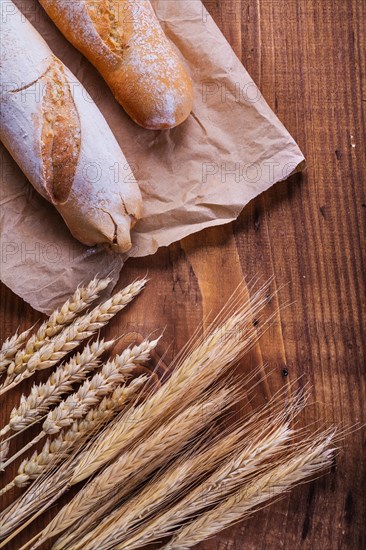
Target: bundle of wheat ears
x=162 y=462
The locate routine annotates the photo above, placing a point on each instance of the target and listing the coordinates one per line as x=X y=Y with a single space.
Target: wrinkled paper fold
x=200 y=174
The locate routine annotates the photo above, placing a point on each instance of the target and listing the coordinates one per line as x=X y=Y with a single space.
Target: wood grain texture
x=309 y=233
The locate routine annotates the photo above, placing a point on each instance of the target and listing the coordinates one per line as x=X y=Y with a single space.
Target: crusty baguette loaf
x=60 y=139
x=125 y=42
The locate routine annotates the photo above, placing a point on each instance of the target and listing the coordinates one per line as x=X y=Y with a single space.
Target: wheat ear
x=135 y=464
x=10 y=347
x=233 y=472
x=305 y=464
x=266 y=429
x=185 y=471
x=83 y=327
x=198 y=370
x=80 y=300
x=60 y=447
x=4 y=449
x=113 y=373
x=42 y=396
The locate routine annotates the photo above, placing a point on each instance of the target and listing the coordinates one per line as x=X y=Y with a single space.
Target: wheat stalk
x=135 y=464
x=213 y=355
x=199 y=369
x=114 y=372
x=80 y=300
x=10 y=347
x=60 y=447
x=41 y=494
x=314 y=458
x=83 y=327
x=185 y=471
x=229 y=475
x=42 y=396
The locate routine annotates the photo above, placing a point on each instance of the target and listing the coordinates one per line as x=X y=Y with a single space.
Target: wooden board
x=308 y=58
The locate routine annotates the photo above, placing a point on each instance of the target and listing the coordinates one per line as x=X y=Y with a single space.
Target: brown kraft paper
x=200 y=174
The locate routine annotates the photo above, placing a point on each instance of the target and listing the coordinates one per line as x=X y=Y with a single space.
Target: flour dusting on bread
x=61 y=140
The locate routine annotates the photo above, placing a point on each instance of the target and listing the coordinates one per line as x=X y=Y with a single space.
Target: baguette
x=123 y=39
x=60 y=139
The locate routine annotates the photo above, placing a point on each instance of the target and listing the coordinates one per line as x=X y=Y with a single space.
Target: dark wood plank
x=308 y=59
